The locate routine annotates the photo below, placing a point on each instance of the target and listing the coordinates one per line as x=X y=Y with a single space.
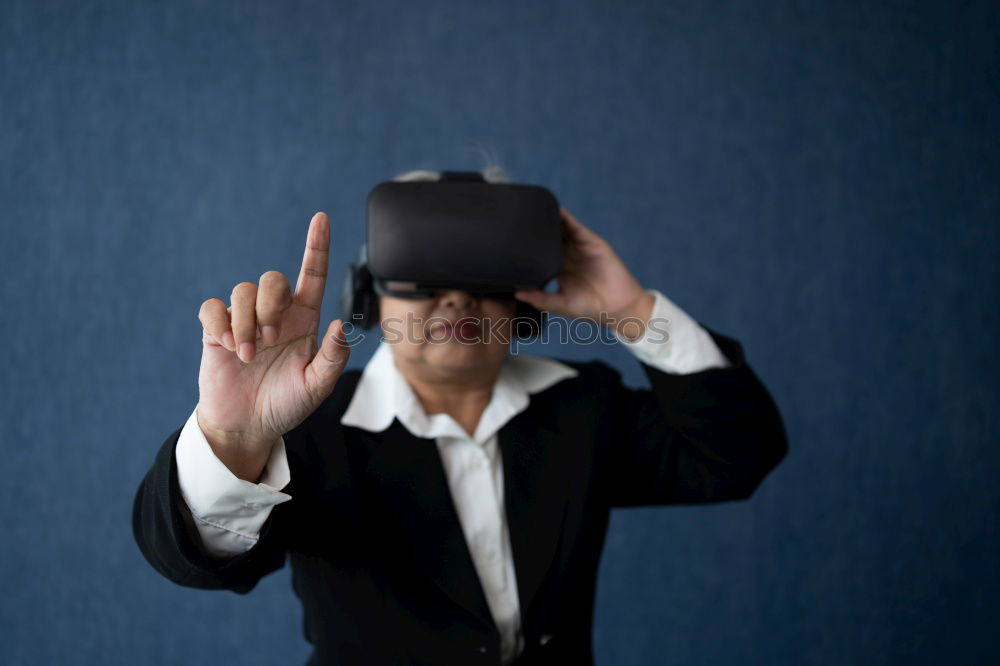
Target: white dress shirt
x=229 y=512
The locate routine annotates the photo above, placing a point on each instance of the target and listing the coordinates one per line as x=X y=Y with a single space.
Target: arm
x=192 y=523
x=226 y=511
x=169 y=539
x=709 y=435
x=707 y=431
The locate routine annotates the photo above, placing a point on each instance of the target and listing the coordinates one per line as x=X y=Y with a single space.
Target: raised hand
x=261 y=371
x=594 y=283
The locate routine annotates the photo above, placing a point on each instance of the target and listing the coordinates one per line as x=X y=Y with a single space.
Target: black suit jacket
x=378 y=556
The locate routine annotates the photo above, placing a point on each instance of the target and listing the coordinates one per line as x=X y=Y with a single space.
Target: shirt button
x=252 y=506
x=545 y=638
x=481 y=649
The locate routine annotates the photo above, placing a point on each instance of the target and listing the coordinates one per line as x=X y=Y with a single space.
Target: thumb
x=322 y=372
x=542 y=300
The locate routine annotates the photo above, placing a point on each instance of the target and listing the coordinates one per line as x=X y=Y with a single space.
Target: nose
x=457 y=298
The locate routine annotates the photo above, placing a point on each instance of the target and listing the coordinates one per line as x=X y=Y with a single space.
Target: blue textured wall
x=818 y=180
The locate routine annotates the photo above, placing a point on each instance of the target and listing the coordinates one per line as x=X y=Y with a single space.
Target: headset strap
x=469 y=176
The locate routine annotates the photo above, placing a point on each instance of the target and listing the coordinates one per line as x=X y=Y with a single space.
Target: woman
x=449 y=504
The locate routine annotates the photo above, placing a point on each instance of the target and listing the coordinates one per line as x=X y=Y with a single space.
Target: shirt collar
x=382 y=394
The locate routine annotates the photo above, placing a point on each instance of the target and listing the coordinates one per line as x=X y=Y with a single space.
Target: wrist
x=631 y=322
x=244 y=454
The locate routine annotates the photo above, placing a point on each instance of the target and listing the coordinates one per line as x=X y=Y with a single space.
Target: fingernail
x=269 y=333
x=246 y=351
x=228 y=341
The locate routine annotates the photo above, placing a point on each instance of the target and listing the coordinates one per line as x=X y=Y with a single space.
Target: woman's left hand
x=593 y=283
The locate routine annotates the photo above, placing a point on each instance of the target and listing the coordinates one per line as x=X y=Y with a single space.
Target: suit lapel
x=410 y=486
x=535 y=496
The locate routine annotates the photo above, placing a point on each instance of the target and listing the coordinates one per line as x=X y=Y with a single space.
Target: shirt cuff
x=673 y=341
x=229 y=512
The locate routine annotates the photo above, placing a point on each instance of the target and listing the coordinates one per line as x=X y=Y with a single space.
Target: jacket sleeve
x=164 y=530
x=707 y=436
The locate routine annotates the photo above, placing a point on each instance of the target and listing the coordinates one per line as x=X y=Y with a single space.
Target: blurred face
x=453 y=333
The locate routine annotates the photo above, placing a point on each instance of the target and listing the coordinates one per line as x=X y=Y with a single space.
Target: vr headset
x=459 y=232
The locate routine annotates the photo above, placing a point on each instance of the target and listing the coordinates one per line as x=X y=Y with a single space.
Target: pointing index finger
x=312 y=277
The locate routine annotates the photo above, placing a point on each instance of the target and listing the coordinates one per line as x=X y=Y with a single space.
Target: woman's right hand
x=261 y=372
